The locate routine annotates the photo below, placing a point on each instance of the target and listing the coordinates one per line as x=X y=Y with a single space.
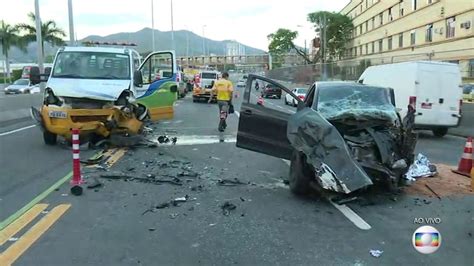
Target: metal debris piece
x=197 y=188
x=174 y=140
x=151 y=229
x=174 y=215
x=227 y=207
x=230 y=182
x=376 y=253
x=242 y=199
x=344 y=200
x=188 y=173
x=162 y=205
x=150 y=176
x=432 y=191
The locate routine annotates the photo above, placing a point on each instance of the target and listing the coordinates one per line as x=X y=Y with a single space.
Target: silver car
x=19 y=86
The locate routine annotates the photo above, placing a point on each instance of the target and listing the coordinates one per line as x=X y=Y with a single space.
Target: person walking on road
x=224 y=89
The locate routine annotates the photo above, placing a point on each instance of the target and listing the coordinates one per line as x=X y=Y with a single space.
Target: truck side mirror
x=137 y=78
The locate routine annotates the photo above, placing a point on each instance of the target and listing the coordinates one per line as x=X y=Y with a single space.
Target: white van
x=433 y=88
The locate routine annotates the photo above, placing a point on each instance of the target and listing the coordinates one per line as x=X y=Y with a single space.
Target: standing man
x=223 y=88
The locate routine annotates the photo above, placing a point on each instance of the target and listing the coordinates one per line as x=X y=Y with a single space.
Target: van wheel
x=49 y=138
x=440 y=132
x=300 y=174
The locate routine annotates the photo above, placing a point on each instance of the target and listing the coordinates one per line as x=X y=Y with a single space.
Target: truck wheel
x=300 y=174
x=194 y=99
x=440 y=132
x=49 y=138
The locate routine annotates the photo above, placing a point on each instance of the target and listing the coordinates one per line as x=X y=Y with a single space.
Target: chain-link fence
x=352 y=69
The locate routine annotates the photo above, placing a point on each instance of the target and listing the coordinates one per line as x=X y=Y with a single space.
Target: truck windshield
x=205 y=75
x=92 y=65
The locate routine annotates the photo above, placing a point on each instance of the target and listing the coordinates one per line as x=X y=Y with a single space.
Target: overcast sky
x=247 y=21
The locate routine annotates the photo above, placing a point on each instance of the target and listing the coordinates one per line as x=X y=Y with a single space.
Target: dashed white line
x=16 y=130
x=352 y=216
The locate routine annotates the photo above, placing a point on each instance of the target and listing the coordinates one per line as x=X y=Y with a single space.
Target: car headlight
x=50 y=98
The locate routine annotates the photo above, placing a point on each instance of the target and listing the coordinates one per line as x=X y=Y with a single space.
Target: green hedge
x=16 y=74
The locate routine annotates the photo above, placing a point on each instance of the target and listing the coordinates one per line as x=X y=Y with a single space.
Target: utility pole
x=203 y=41
x=72 y=42
x=152 y=28
x=172 y=28
x=39 y=41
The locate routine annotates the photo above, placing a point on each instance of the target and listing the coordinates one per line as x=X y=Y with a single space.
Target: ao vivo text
x=427 y=220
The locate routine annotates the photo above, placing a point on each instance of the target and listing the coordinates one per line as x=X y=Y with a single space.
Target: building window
x=429 y=33
x=430 y=2
x=367 y=26
x=360 y=50
x=366 y=48
x=355 y=51
x=412 y=37
x=390 y=17
x=360 y=8
x=389 y=43
x=400 y=40
x=450 y=27
x=373 y=22
x=366 y=3
x=380 y=45
x=360 y=28
x=414 y=4
x=373 y=47
x=381 y=18
x=471 y=68
x=400 y=8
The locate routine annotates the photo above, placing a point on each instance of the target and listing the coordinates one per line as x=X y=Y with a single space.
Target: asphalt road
x=269 y=226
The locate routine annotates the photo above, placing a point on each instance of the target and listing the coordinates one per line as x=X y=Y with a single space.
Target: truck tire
x=440 y=132
x=300 y=175
x=49 y=138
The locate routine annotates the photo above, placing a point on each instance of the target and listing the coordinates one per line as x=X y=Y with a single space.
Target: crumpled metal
x=421 y=167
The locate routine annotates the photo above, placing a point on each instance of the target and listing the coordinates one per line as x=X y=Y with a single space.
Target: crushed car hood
x=98 y=89
x=326 y=151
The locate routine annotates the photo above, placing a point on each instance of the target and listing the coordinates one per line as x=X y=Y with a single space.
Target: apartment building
x=388 y=31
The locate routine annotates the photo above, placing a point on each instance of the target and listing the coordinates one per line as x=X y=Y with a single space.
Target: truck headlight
x=50 y=98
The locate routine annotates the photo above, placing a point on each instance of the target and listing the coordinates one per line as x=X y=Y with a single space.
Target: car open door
x=263 y=122
x=158 y=91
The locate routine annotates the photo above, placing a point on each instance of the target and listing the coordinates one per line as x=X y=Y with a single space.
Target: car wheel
x=279 y=96
x=49 y=138
x=440 y=132
x=300 y=174
x=194 y=99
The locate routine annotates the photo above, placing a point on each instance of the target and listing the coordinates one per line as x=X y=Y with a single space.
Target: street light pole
x=152 y=28
x=203 y=41
x=71 y=24
x=39 y=41
x=172 y=28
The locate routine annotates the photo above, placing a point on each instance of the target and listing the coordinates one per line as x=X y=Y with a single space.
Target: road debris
x=163 y=139
x=151 y=229
x=421 y=167
x=227 y=207
x=230 y=182
x=13 y=239
x=432 y=191
x=94 y=184
x=174 y=215
x=376 y=253
x=188 y=173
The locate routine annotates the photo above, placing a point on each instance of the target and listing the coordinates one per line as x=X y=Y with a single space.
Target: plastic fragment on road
x=421 y=167
x=227 y=207
x=376 y=253
x=230 y=182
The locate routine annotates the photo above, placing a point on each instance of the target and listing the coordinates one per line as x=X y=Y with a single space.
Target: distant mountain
x=143 y=39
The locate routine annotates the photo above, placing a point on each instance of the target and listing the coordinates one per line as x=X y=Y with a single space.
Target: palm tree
x=9 y=38
x=50 y=32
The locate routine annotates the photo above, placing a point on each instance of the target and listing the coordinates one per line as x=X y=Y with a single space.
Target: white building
x=234 y=48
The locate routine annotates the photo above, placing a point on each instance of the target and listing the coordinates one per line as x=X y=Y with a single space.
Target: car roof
x=116 y=50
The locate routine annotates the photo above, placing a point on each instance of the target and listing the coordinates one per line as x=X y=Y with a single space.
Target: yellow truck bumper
x=100 y=121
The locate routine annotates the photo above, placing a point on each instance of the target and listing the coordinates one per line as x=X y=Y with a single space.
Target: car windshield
x=21 y=82
x=359 y=102
x=208 y=75
x=92 y=65
x=301 y=90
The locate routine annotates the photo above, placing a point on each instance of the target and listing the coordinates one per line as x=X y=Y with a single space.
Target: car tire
x=279 y=96
x=194 y=99
x=300 y=174
x=440 y=132
x=49 y=138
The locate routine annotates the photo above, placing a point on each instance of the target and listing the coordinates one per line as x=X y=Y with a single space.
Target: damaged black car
x=343 y=138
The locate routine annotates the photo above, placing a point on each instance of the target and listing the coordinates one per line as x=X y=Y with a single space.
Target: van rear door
x=437 y=94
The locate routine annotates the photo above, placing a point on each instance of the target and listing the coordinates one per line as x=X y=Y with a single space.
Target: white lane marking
x=16 y=130
x=237 y=113
x=199 y=140
x=352 y=216
x=346 y=211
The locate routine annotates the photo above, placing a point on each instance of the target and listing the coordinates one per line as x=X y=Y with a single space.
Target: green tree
x=50 y=32
x=281 y=42
x=9 y=37
x=338 y=29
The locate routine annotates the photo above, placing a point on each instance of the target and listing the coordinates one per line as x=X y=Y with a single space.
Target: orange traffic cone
x=465 y=165
x=472 y=178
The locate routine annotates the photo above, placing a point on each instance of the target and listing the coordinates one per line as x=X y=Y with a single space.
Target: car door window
x=310 y=96
x=157 y=67
x=271 y=95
